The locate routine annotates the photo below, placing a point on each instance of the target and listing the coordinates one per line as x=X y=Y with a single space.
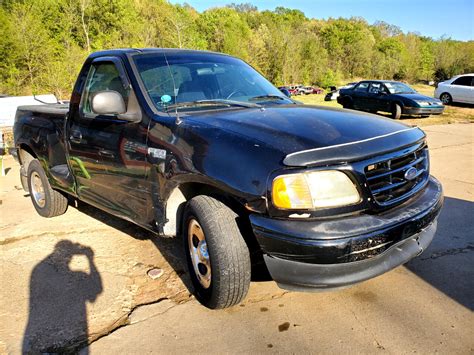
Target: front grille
x=388 y=179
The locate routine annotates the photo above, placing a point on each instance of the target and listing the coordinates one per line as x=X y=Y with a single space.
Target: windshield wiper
x=267 y=97
x=213 y=102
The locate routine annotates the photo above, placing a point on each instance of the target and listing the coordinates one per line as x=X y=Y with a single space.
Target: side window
x=463 y=81
x=362 y=87
x=375 y=88
x=101 y=77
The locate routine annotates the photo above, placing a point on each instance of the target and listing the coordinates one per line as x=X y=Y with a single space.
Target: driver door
x=107 y=154
x=377 y=99
x=360 y=95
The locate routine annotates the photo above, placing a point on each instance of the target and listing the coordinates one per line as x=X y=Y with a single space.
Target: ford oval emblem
x=411 y=173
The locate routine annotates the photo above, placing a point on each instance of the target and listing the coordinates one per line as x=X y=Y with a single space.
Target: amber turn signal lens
x=291 y=192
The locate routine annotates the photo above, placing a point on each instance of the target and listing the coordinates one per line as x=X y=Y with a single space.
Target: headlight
x=317 y=189
x=423 y=103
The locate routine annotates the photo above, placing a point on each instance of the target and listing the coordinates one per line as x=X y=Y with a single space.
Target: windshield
x=399 y=88
x=179 y=79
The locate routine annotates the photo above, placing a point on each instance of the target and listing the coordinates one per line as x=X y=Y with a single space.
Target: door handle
x=75 y=137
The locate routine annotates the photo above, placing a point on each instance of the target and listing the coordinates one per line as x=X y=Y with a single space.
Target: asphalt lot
x=82 y=277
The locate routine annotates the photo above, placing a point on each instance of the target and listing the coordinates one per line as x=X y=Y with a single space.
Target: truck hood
x=292 y=129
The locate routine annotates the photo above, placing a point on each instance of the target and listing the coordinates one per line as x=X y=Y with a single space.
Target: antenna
x=176 y=91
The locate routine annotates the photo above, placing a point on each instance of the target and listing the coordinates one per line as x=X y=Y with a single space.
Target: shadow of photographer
x=57 y=320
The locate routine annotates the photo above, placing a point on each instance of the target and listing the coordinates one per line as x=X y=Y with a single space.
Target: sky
x=432 y=18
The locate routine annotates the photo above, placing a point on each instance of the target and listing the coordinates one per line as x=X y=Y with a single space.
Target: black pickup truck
x=200 y=145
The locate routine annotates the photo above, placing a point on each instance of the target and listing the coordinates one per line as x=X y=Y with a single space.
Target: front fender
x=190 y=154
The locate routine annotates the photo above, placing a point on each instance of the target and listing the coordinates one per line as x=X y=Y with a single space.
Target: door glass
x=375 y=88
x=463 y=81
x=102 y=76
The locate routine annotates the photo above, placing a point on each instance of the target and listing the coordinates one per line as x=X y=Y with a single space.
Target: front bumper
x=347 y=250
x=438 y=110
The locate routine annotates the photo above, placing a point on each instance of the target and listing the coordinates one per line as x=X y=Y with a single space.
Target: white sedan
x=457 y=89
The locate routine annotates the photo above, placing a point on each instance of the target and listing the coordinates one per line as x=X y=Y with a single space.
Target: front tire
x=446 y=98
x=218 y=257
x=396 y=111
x=47 y=202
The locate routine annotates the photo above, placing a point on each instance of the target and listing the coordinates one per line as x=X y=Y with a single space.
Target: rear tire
x=446 y=98
x=347 y=103
x=47 y=202
x=396 y=111
x=218 y=257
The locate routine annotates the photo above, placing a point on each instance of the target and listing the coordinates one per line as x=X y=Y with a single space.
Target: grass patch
x=316 y=99
x=452 y=114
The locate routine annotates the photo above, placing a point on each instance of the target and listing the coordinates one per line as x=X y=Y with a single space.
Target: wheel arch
x=25 y=156
x=398 y=102
x=446 y=93
x=181 y=194
x=26 y=153
x=346 y=98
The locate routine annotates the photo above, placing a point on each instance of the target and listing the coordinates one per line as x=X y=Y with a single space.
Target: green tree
x=225 y=31
x=44 y=42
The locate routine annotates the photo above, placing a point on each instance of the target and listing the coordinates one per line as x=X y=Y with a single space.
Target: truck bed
x=41 y=128
x=50 y=110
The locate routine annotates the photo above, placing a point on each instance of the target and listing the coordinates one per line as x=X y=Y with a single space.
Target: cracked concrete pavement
x=105 y=298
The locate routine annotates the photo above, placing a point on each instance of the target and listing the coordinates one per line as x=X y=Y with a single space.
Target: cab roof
x=125 y=51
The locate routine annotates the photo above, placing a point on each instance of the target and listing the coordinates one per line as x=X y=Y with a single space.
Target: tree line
x=43 y=43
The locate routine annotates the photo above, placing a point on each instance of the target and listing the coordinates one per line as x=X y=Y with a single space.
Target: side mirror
x=286 y=92
x=108 y=103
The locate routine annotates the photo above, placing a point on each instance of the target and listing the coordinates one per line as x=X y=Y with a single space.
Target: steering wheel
x=235 y=92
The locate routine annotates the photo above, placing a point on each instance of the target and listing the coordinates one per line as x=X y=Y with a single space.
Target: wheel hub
x=199 y=253
x=37 y=190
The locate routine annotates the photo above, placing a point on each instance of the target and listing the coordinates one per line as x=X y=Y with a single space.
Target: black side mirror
x=286 y=92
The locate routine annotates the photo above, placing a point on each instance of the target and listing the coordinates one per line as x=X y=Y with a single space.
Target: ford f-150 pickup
x=199 y=145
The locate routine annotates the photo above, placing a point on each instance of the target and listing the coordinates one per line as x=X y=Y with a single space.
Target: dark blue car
x=389 y=96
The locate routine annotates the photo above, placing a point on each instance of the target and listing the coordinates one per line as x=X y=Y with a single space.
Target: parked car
x=457 y=89
x=317 y=90
x=199 y=145
x=389 y=96
x=333 y=93
x=306 y=90
x=293 y=89
x=298 y=90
